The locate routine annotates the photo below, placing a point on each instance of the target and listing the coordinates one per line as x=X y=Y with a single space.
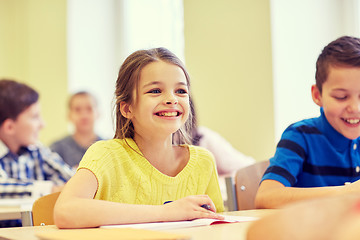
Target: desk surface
x=12 y=208
x=227 y=231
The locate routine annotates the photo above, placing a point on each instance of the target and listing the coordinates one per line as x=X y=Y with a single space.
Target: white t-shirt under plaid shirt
x=18 y=172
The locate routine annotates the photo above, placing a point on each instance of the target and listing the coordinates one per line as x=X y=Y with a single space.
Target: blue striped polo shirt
x=311 y=153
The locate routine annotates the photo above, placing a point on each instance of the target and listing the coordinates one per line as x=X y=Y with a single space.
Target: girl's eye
x=36 y=116
x=154 y=91
x=181 y=91
x=340 y=97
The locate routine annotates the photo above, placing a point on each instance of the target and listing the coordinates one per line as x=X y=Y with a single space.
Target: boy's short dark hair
x=344 y=51
x=81 y=93
x=15 y=97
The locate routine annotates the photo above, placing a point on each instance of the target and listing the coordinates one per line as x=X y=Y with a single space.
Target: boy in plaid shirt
x=22 y=159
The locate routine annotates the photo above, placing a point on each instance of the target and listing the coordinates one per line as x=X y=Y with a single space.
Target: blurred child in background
x=83 y=113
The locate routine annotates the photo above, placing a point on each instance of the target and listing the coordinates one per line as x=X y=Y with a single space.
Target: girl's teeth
x=168 y=114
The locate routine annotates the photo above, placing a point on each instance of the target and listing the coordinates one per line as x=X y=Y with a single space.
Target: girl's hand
x=190 y=208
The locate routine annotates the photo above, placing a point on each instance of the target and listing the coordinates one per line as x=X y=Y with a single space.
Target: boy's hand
x=190 y=208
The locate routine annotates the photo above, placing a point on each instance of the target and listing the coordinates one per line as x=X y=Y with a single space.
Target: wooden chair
x=42 y=209
x=242 y=189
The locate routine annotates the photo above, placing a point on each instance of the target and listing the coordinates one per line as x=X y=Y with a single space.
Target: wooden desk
x=227 y=231
x=17 y=209
x=10 y=213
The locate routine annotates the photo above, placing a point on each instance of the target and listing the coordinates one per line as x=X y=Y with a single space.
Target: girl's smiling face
x=340 y=99
x=161 y=100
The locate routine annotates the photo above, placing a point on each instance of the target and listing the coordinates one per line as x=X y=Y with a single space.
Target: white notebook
x=183 y=224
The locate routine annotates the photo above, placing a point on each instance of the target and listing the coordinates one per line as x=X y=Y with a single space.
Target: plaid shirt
x=17 y=172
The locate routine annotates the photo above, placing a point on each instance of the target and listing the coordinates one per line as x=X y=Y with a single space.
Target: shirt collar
x=337 y=139
x=4 y=150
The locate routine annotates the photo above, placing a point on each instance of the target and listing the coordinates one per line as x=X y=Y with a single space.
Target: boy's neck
x=85 y=139
x=11 y=145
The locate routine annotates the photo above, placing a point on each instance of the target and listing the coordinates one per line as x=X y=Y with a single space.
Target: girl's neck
x=151 y=146
x=160 y=153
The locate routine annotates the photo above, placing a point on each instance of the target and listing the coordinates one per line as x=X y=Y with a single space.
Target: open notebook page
x=183 y=224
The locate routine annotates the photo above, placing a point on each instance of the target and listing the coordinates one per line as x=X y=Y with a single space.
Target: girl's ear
x=125 y=110
x=316 y=95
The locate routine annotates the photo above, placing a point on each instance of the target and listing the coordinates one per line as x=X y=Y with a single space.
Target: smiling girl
x=144 y=166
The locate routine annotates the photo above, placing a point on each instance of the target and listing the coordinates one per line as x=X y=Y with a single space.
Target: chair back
x=242 y=189
x=247 y=181
x=43 y=208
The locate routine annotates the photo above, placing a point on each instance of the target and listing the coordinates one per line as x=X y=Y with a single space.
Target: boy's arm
x=273 y=194
x=55 y=169
x=323 y=218
x=14 y=188
x=18 y=188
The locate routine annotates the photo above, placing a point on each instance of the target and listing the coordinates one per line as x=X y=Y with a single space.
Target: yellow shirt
x=125 y=176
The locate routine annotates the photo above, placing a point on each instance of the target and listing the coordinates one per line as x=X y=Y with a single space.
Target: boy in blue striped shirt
x=320 y=156
x=22 y=159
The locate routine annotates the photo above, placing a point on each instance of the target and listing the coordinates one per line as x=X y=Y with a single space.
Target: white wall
x=155 y=23
x=93 y=30
x=300 y=30
x=102 y=33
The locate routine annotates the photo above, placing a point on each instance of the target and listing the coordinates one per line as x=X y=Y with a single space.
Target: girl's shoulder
x=108 y=145
x=107 y=152
x=200 y=153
